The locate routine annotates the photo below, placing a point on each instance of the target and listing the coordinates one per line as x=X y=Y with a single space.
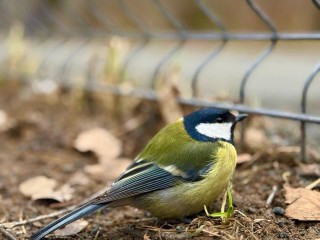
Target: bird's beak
x=240 y=117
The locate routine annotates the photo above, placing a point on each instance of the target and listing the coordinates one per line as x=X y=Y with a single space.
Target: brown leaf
x=37 y=185
x=3 y=120
x=146 y=237
x=63 y=194
x=304 y=204
x=72 y=228
x=96 y=171
x=256 y=139
x=107 y=170
x=6 y=122
x=244 y=157
x=99 y=141
x=288 y=149
x=79 y=178
x=309 y=170
x=41 y=187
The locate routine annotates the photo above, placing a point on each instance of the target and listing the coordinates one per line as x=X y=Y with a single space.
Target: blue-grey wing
x=144 y=177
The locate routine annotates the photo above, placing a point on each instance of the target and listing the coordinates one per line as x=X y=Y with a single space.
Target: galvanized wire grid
x=46 y=22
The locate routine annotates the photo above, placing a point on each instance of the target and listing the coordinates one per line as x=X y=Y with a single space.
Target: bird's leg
x=223 y=215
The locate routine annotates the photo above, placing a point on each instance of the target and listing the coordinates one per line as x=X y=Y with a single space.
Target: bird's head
x=212 y=124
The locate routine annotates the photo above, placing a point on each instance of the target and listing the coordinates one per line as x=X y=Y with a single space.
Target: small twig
x=313 y=184
x=97 y=234
x=10 y=225
x=7 y=234
x=285 y=176
x=242 y=214
x=244 y=227
x=133 y=221
x=211 y=234
x=20 y=219
x=272 y=195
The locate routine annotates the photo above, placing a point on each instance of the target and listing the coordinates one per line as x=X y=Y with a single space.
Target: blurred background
x=260 y=55
x=84 y=85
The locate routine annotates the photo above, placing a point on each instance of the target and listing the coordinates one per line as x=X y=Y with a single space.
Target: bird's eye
x=219 y=120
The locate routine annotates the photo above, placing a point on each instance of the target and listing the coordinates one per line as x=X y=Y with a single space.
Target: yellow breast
x=189 y=198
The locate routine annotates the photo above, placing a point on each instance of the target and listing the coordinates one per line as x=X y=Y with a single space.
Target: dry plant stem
x=7 y=234
x=10 y=225
x=114 y=224
x=97 y=234
x=249 y=231
x=224 y=202
x=20 y=219
x=272 y=195
x=313 y=184
x=161 y=230
x=285 y=177
x=210 y=233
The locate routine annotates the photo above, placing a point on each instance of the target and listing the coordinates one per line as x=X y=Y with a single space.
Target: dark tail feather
x=70 y=217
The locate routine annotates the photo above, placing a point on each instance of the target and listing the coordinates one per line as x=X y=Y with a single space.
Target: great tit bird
x=185 y=167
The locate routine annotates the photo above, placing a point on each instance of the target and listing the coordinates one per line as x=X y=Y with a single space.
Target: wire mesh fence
x=65 y=41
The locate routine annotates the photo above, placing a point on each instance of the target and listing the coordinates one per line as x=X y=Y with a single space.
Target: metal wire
x=316 y=3
x=216 y=21
x=304 y=108
x=265 y=54
x=196 y=102
x=180 y=29
x=66 y=22
x=145 y=38
x=103 y=18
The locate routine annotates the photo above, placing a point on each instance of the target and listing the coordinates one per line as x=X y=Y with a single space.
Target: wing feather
x=143 y=177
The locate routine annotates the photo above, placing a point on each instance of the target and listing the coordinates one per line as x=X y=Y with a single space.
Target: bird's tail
x=70 y=217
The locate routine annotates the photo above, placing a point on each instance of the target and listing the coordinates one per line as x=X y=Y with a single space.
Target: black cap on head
x=211 y=124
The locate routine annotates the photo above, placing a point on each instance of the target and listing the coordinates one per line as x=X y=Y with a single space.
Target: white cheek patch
x=215 y=130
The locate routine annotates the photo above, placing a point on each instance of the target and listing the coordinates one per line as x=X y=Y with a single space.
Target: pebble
x=180 y=228
x=278 y=211
x=282 y=235
x=251 y=210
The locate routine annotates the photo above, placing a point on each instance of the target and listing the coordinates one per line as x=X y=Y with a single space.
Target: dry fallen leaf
x=37 y=185
x=309 y=170
x=3 y=120
x=288 y=149
x=72 y=228
x=79 y=178
x=244 y=157
x=108 y=170
x=146 y=237
x=41 y=187
x=256 y=139
x=304 y=204
x=64 y=193
x=99 y=141
x=108 y=148
x=96 y=171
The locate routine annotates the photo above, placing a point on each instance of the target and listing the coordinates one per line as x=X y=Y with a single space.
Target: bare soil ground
x=41 y=143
